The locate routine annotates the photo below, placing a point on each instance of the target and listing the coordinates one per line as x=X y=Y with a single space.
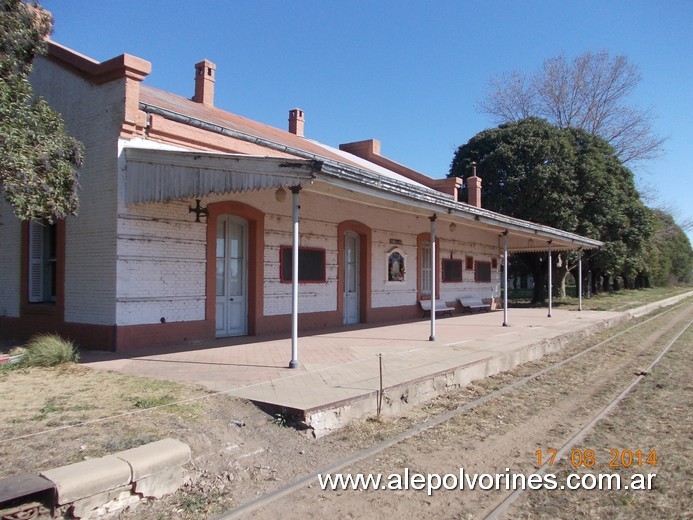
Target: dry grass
x=43 y=408
x=49 y=350
x=603 y=301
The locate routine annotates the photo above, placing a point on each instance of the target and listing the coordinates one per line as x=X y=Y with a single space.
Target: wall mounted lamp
x=280 y=194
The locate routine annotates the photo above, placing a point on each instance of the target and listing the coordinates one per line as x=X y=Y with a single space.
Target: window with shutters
x=42 y=262
x=426 y=268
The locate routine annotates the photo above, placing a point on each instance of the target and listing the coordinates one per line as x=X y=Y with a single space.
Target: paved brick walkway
x=341 y=365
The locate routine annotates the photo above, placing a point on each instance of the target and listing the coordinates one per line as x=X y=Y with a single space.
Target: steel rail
x=505 y=504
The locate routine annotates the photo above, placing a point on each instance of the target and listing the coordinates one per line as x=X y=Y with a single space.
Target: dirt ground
x=542 y=415
x=240 y=453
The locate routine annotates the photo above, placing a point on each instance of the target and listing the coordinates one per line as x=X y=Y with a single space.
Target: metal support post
x=433 y=218
x=579 y=284
x=505 y=279
x=294 y=280
x=550 y=279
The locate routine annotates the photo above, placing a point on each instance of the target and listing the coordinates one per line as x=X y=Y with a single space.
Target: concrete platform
x=338 y=377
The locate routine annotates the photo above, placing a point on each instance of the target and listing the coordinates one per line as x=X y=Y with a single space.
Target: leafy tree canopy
x=669 y=256
x=564 y=178
x=38 y=160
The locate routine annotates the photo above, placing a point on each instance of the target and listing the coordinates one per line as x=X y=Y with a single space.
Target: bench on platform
x=473 y=304
x=441 y=307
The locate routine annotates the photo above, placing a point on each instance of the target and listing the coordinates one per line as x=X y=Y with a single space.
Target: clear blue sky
x=406 y=72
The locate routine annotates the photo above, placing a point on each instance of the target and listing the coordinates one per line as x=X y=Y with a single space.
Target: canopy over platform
x=155 y=175
x=163 y=175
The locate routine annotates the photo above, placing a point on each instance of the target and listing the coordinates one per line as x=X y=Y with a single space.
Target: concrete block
x=124 y=500
x=154 y=457
x=159 y=484
x=88 y=478
x=88 y=507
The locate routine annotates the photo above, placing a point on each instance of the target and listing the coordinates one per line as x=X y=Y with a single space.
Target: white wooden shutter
x=426 y=268
x=35 y=262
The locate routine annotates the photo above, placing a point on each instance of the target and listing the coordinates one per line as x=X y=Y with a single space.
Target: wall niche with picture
x=396 y=265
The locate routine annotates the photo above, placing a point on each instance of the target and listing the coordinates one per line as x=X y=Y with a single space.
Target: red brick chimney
x=204 y=82
x=474 y=188
x=296 y=121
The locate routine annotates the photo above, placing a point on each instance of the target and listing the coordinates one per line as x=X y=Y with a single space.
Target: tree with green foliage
x=611 y=211
x=564 y=178
x=38 y=160
x=668 y=256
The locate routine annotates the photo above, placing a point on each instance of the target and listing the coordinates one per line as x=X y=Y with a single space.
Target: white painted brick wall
x=93 y=114
x=450 y=291
x=10 y=253
x=161 y=262
x=313 y=297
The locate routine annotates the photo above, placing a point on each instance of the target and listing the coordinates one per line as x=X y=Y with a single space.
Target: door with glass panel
x=352 y=289
x=231 y=276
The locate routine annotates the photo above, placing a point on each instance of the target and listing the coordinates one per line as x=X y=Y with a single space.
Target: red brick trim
x=97 y=337
x=131 y=338
x=123 y=66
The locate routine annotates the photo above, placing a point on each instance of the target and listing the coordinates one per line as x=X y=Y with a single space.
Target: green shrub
x=153 y=401
x=17 y=351
x=47 y=350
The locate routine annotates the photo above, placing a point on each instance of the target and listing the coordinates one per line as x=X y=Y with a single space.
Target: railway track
x=561 y=454
x=646 y=336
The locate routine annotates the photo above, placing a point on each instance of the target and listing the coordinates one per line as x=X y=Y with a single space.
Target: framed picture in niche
x=396 y=266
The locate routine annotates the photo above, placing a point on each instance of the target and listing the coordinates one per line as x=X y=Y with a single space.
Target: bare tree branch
x=589 y=92
x=509 y=98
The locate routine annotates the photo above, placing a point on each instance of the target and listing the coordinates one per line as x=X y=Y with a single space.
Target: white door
x=231 y=277
x=352 y=287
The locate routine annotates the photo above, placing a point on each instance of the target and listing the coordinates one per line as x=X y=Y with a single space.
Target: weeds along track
x=563 y=399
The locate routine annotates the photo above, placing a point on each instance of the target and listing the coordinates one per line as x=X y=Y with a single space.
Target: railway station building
x=196 y=223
